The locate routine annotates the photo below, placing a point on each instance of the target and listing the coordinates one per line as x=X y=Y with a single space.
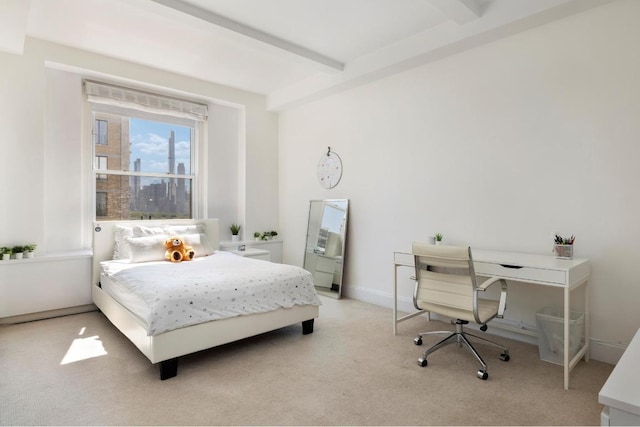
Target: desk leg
x=587 y=322
x=395 y=299
x=567 y=315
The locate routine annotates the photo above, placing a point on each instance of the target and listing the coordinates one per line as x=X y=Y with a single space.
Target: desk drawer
x=326 y=264
x=524 y=274
x=403 y=258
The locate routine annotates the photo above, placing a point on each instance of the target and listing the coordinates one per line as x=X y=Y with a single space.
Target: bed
x=163 y=345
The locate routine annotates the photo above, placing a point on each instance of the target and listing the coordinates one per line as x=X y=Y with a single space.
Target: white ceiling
x=292 y=51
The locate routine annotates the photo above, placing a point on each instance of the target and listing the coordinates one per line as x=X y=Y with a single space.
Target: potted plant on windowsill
x=256 y=235
x=438 y=238
x=235 y=230
x=29 y=249
x=5 y=252
x=17 y=251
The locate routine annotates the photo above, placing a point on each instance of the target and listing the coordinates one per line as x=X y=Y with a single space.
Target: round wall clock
x=329 y=169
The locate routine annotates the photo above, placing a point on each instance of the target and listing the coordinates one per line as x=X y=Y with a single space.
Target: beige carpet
x=351 y=371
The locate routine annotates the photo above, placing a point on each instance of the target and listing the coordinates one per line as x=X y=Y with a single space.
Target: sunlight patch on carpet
x=84 y=348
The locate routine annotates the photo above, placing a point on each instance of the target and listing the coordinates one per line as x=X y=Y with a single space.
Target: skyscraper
x=172 y=153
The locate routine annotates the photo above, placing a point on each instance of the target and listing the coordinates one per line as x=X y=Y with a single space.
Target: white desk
x=620 y=391
x=528 y=268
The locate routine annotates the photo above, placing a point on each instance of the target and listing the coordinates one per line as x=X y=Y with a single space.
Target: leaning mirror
x=325 y=248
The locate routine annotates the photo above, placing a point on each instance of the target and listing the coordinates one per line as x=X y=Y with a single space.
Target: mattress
x=167 y=296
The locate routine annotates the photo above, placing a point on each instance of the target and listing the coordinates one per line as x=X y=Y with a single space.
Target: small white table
x=254 y=253
x=565 y=274
x=620 y=392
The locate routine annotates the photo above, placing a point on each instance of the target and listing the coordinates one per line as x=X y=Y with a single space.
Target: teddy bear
x=177 y=251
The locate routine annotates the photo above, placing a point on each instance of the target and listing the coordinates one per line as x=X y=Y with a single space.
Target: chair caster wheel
x=417 y=341
x=483 y=375
x=422 y=362
x=483 y=328
x=504 y=357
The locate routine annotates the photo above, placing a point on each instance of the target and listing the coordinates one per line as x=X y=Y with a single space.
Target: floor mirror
x=325 y=247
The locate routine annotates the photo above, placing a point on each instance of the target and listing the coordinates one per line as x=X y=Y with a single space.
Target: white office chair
x=446 y=284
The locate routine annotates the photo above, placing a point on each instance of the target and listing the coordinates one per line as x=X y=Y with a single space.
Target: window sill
x=50 y=256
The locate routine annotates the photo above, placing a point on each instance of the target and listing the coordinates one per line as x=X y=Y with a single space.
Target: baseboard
x=606 y=352
x=601 y=351
x=47 y=314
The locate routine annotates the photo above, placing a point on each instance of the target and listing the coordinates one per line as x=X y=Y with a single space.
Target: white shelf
x=50 y=256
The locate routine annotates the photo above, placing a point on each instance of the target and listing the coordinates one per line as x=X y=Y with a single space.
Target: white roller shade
x=101 y=93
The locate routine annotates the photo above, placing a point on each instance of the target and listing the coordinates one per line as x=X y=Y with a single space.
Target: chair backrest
x=445 y=275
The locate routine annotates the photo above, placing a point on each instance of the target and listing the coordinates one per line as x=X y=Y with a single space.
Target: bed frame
x=165 y=348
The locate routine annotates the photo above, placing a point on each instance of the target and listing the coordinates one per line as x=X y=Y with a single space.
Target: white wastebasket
x=550 y=324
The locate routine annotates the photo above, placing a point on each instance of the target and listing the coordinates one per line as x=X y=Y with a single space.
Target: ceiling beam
x=459 y=11
x=252 y=33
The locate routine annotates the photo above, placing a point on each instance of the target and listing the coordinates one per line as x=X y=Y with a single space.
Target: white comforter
x=167 y=296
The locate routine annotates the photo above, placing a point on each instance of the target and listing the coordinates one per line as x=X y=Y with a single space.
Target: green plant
x=256 y=235
x=17 y=249
x=273 y=233
x=235 y=229
x=438 y=237
x=30 y=247
x=5 y=250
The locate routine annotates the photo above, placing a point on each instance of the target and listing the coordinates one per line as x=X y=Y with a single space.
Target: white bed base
x=165 y=348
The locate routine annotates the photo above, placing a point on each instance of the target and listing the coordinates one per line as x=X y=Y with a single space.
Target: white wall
x=44 y=190
x=497 y=147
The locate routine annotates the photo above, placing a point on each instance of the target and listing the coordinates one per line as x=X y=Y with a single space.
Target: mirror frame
x=338 y=266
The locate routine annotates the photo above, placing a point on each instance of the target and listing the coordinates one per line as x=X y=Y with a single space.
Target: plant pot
x=235 y=238
x=6 y=257
x=19 y=255
x=438 y=242
x=28 y=254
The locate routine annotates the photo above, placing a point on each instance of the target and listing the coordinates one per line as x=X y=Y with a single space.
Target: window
x=146 y=169
x=100 y=132
x=101 y=204
x=101 y=164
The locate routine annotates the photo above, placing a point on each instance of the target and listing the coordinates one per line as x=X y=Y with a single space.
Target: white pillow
x=174 y=230
x=200 y=244
x=147 y=248
x=141 y=231
x=120 y=246
x=178 y=230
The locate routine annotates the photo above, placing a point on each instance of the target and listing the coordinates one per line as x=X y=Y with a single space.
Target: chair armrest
x=502 y=303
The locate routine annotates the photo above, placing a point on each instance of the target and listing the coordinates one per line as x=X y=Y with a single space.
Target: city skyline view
x=149 y=142
x=139 y=147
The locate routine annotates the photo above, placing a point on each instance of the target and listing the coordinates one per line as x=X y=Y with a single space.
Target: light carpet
x=351 y=371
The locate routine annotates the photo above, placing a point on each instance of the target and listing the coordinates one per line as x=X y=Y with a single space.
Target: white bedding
x=167 y=296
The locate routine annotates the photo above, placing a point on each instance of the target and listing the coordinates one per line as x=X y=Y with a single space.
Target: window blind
x=102 y=93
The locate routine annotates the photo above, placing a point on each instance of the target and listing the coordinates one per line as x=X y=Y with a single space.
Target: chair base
x=460 y=337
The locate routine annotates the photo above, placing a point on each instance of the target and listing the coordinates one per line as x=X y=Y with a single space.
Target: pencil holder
x=563 y=251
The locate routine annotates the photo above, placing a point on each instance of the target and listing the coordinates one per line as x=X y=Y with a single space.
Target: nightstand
x=254 y=253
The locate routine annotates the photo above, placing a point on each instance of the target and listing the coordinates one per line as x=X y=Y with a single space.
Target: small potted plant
x=5 y=252
x=273 y=234
x=438 y=238
x=17 y=251
x=235 y=229
x=256 y=235
x=28 y=250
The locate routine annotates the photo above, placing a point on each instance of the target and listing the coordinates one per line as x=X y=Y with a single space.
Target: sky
x=150 y=143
